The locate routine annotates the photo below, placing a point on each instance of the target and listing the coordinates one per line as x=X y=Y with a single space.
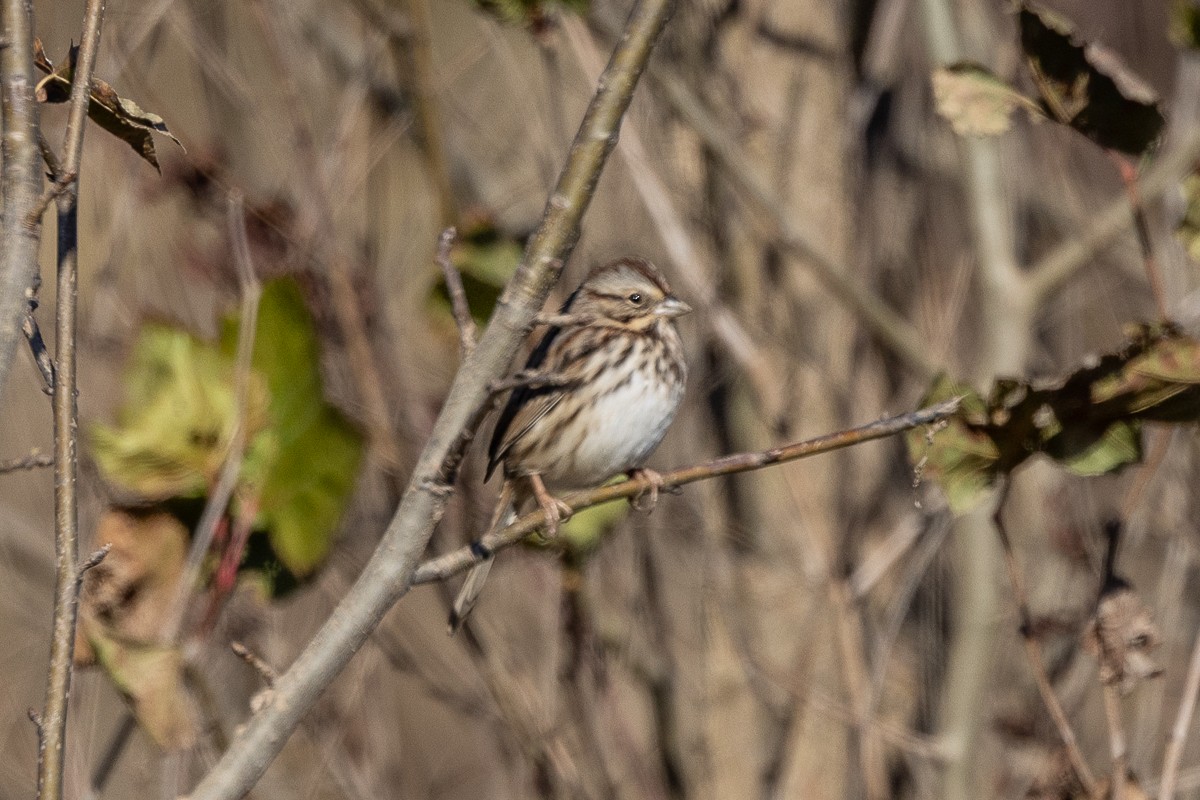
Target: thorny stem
x=462 y=559
x=66 y=513
x=388 y=575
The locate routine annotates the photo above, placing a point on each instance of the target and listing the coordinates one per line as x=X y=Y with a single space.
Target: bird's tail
x=506 y=512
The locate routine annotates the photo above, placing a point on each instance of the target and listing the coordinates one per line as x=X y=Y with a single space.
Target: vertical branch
x=388 y=575
x=66 y=513
x=1183 y=721
x=21 y=178
x=1005 y=313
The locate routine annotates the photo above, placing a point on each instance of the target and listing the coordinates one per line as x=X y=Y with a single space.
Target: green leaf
x=975 y=101
x=960 y=457
x=584 y=531
x=176 y=424
x=118 y=115
x=1119 y=445
x=1185 y=24
x=303 y=484
x=1085 y=85
x=1188 y=229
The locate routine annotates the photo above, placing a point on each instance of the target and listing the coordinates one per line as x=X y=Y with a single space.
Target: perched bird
x=613 y=376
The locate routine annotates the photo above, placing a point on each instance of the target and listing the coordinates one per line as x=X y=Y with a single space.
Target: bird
x=611 y=376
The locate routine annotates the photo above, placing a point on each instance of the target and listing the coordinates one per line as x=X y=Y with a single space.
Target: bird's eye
x=635 y=298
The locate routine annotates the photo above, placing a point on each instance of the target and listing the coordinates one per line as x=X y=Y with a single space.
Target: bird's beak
x=672 y=307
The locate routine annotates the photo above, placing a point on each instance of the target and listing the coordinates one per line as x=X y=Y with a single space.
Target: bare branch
x=21 y=179
x=388 y=575
x=33 y=220
x=895 y=332
x=66 y=420
x=458 y=295
x=37 y=348
x=466 y=557
x=1183 y=723
x=264 y=670
x=1141 y=226
x=1052 y=270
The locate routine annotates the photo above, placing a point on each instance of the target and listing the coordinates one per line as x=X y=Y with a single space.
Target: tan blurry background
x=711 y=649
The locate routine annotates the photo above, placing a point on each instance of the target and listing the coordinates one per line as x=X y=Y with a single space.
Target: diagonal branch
x=388 y=575
x=466 y=557
x=1055 y=268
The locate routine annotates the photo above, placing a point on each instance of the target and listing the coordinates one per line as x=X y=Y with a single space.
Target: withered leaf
x=1089 y=420
x=1084 y=85
x=124 y=604
x=975 y=101
x=118 y=115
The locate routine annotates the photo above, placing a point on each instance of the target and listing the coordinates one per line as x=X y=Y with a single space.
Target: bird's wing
x=526 y=404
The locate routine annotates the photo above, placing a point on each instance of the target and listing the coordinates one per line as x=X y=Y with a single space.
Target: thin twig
x=895 y=332
x=264 y=670
x=34 y=460
x=1053 y=269
x=94 y=559
x=33 y=220
x=347 y=308
x=66 y=421
x=1033 y=650
x=112 y=754
x=218 y=499
x=458 y=295
x=418 y=49
x=660 y=205
x=388 y=574
x=1183 y=723
x=459 y=560
x=1129 y=178
x=1116 y=740
x=37 y=348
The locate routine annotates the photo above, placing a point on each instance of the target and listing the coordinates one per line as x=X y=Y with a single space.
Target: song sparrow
x=616 y=377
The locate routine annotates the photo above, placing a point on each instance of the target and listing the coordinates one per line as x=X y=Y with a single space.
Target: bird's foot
x=555 y=510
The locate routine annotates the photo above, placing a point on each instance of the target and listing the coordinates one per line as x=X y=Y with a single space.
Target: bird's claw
x=555 y=510
x=657 y=484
